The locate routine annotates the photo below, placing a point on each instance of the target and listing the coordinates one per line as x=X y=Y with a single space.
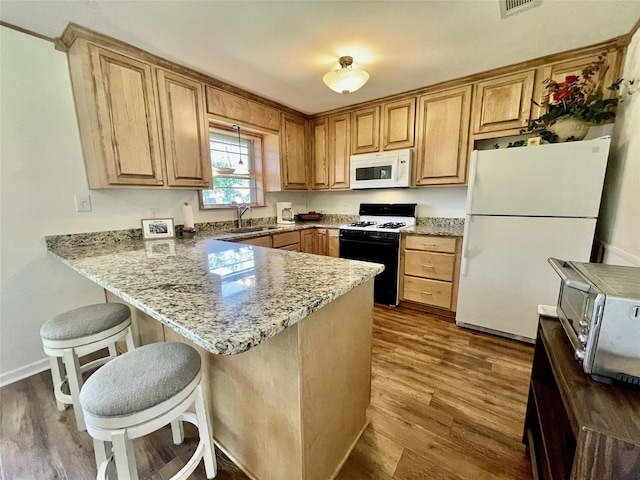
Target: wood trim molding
x=74 y=31
x=28 y=32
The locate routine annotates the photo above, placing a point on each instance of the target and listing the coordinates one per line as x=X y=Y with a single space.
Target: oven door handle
x=369 y=242
x=560 y=266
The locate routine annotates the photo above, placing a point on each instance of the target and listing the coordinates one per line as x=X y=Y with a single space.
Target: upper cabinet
x=185 y=130
x=398 y=124
x=503 y=103
x=139 y=125
x=365 y=131
x=330 y=152
x=293 y=153
x=442 y=138
x=242 y=110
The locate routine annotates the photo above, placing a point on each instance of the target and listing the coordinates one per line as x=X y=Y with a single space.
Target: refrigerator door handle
x=472 y=180
x=465 y=245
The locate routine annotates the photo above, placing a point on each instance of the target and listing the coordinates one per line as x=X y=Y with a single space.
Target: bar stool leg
x=74 y=377
x=103 y=453
x=209 y=456
x=124 y=456
x=57 y=375
x=129 y=340
x=113 y=350
x=177 y=432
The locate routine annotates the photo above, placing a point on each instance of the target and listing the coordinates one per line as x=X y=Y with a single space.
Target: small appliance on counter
x=284 y=213
x=599 y=308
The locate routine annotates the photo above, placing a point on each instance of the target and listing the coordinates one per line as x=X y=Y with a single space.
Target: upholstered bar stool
x=79 y=332
x=140 y=392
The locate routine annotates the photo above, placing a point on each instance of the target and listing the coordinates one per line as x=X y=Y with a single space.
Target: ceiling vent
x=509 y=8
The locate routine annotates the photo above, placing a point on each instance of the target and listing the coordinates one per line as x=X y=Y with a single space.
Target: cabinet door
x=339 y=151
x=333 y=242
x=320 y=154
x=185 y=131
x=293 y=153
x=258 y=241
x=308 y=242
x=443 y=130
x=365 y=130
x=503 y=103
x=398 y=124
x=127 y=117
x=321 y=241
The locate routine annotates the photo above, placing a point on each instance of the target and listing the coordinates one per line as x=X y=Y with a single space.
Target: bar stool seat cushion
x=84 y=321
x=154 y=373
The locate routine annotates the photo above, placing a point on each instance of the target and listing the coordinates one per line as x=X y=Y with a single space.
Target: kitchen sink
x=251 y=229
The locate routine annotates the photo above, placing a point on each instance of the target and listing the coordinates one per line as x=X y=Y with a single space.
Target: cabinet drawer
x=438 y=266
x=258 y=241
x=433 y=244
x=292 y=248
x=428 y=292
x=288 y=238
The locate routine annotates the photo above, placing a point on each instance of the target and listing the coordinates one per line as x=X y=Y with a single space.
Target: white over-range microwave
x=381 y=170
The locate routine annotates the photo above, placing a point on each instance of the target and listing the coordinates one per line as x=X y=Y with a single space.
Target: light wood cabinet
x=140 y=125
x=503 y=103
x=333 y=242
x=320 y=154
x=293 y=153
x=286 y=239
x=430 y=267
x=339 y=151
x=442 y=138
x=258 y=241
x=242 y=110
x=185 y=130
x=314 y=240
x=365 y=130
x=396 y=127
x=330 y=152
x=398 y=124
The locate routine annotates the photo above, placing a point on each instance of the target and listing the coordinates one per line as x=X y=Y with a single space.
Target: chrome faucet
x=241 y=210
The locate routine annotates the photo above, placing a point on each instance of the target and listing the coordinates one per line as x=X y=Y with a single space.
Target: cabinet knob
x=425 y=265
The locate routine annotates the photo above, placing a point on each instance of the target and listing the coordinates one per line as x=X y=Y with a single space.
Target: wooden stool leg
x=209 y=455
x=124 y=456
x=103 y=453
x=74 y=377
x=113 y=350
x=57 y=375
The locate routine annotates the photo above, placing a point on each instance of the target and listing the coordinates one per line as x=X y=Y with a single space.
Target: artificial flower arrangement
x=578 y=97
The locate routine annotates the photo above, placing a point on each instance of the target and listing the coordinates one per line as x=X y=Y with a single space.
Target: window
x=236 y=166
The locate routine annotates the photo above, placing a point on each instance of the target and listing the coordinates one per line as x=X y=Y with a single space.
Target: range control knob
x=580 y=353
x=583 y=338
x=584 y=325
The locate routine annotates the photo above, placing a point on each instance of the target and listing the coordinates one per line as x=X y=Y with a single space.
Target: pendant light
x=347 y=79
x=241 y=168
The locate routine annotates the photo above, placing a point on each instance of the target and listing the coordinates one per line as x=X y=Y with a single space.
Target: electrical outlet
x=83 y=202
x=153 y=212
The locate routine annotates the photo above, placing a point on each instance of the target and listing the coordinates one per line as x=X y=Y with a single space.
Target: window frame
x=256 y=176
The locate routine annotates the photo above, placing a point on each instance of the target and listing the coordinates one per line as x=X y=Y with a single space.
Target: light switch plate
x=83 y=202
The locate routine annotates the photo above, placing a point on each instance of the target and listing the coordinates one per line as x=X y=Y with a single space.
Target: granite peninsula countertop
x=225 y=297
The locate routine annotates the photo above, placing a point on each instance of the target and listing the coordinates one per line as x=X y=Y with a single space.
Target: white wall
x=41 y=168
x=619 y=223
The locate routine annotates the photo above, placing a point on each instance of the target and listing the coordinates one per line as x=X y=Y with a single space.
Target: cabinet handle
x=426 y=293
x=429 y=244
x=425 y=265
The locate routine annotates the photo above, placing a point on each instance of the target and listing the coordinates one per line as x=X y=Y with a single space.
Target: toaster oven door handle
x=561 y=269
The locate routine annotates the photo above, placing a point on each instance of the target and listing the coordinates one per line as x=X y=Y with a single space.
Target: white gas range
x=376 y=238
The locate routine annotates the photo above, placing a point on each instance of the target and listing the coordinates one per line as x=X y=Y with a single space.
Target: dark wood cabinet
x=575 y=427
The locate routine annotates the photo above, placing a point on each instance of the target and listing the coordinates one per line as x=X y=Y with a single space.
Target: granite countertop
x=226 y=297
x=445 y=231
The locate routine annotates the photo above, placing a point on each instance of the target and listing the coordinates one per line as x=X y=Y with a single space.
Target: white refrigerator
x=525 y=205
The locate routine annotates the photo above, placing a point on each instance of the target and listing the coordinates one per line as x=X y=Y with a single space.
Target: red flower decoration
x=570 y=79
x=559 y=95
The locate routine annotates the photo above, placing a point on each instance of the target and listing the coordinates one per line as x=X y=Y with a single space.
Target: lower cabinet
x=319 y=241
x=258 y=242
x=333 y=242
x=429 y=271
x=286 y=241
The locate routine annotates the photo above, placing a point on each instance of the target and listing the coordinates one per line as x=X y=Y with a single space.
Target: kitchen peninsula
x=285 y=338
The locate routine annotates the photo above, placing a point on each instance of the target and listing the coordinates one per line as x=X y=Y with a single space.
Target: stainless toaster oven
x=599 y=308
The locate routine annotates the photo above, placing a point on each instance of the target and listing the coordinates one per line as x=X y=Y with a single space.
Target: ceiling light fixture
x=347 y=79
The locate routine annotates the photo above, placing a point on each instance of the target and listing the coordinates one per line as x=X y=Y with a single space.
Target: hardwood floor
x=446 y=404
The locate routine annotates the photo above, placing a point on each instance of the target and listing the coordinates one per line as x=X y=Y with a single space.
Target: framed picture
x=161 y=248
x=156 y=228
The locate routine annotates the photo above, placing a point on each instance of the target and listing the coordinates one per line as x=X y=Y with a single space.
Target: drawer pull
x=429 y=244
x=426 y=293
x=427 y=265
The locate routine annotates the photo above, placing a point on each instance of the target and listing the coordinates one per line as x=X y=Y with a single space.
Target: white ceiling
x=281 y=49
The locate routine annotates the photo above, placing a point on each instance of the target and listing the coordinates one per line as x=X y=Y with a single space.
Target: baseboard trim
x=7 y=378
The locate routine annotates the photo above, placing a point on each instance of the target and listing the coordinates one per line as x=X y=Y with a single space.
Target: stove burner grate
x=362 y=224
x=392 y=225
